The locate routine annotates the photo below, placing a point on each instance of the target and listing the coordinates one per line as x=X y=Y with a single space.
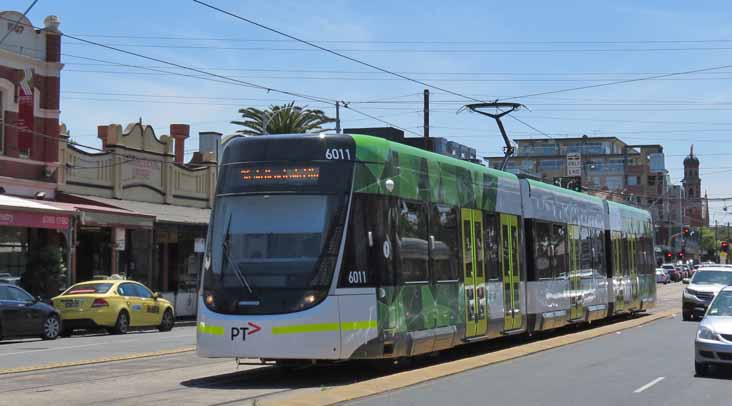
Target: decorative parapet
x=136 y=165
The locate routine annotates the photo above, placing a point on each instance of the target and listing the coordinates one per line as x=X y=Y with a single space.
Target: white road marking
x=649 y=384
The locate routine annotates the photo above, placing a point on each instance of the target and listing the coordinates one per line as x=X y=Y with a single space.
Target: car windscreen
x=89 y=288
x=722 y=305
x=712 y=278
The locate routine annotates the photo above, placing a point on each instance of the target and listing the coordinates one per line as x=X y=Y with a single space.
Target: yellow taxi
x=117 y=305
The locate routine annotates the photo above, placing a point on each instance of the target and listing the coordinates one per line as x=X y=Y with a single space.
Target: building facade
x=695 y=205
x=605 y=166
x=32 y=231
x=156 y=208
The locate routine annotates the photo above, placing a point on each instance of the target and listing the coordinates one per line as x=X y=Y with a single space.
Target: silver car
x=705 y=283
x=713 y=344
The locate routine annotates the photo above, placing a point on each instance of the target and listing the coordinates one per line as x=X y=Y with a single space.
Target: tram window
x=491 y=246
x=559 y=250
x=586 y=251
x=412 y=237
x=444 y=254
x=598 y=244
x=543 y=250
x=479 y=255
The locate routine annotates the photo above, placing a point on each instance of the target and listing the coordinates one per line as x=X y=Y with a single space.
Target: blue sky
x=487 y=50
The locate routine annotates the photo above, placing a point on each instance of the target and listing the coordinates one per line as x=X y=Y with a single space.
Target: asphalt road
x=647 y=365
x=184 y=378
x=33 y=352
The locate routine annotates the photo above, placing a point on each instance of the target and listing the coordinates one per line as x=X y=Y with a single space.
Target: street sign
x=119 y=238
x=199 y=245
x=574 y=164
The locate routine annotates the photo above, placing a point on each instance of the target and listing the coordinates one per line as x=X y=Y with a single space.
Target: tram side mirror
x=371 y=239
x=685 y=281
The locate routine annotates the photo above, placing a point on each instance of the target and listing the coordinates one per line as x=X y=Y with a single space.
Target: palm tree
x=285 y=119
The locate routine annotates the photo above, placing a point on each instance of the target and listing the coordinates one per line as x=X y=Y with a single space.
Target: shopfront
x=34 y=244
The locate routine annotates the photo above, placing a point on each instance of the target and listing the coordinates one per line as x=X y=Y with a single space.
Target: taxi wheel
x=167 y=323
x=123 y=323
x=51 y=328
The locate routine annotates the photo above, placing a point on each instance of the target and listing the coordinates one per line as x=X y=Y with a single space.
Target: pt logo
x=243 y=332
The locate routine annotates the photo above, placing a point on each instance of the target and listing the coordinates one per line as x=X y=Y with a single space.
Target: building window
x=613 y=182
x=651 y=180
x=631 y=180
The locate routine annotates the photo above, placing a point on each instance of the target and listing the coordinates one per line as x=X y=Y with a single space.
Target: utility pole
x=338 y=117
x=426 y=119
x=716 y=243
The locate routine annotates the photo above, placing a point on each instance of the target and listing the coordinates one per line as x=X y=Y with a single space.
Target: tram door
x=511 y=272
x=633 y=265
x=474 y=272
x=619 y=272
x=576 y=305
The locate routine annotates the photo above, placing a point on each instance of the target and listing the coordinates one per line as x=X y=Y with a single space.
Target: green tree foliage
x=284 y=119
x=45 y=273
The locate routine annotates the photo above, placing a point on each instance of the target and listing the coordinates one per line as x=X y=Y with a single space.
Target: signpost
x=574 y=164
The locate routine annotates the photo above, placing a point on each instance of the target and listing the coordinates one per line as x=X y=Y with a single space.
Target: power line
x=619 y=82
x=555 y=42
x=17 y=22
x=450 y=50
x=422 y=83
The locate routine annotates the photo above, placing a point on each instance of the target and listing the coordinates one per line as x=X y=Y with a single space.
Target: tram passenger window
x=444 y=254
x=559 y=249
x=412 y=241
x=624 y=254
x=598 y=244
x=586 y=252
x=491 y=246
x=542 y=250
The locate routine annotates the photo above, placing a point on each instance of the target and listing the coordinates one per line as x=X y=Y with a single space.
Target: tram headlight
x=210 y=300
x=309 y=299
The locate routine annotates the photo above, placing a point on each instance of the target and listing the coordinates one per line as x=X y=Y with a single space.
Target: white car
x=713 y=344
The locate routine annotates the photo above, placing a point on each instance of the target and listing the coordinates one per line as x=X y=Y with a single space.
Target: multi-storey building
x=605 y=166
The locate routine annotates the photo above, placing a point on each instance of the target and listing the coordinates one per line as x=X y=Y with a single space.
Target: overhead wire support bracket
x=508 y=150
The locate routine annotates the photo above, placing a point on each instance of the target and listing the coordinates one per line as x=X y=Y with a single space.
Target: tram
x=338 y=247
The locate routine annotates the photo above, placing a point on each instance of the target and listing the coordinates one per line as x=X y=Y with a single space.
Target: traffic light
x=669 y=255
x=681 y=254
x=686 y=231
x=725 y=246
x=569 y=182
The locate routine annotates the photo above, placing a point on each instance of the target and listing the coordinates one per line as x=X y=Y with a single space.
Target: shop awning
x=91 y=215
x=163 y=213
x=20 y=212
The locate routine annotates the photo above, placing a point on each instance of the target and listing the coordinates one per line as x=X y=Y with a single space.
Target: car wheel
x=701 y=369
x=51 y=328
x=123 y=323
x=167 y=322
x=686 y=316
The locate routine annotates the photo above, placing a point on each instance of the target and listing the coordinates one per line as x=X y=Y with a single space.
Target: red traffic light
x=725 y=246
x=681 y=254
x=686 y=230
x=669 y=254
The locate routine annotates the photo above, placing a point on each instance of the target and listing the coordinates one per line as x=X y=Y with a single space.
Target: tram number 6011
x=338 y=153
x=357 y=277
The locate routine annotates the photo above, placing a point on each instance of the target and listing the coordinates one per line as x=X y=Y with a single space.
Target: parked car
x=713 y=344
x=115 y=305
x=672 y=272
x=662 y=276
x=9 y=278
x=22 y=315
x=703 y=286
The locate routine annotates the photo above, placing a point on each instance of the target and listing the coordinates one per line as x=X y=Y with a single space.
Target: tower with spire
x=694 y=213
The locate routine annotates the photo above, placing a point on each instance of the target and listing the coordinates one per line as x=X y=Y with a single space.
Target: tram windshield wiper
x=233 y=265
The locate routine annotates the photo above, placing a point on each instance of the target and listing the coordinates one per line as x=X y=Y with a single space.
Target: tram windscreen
x=273 y=245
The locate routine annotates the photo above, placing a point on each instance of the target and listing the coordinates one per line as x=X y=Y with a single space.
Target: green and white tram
x=334 y=247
